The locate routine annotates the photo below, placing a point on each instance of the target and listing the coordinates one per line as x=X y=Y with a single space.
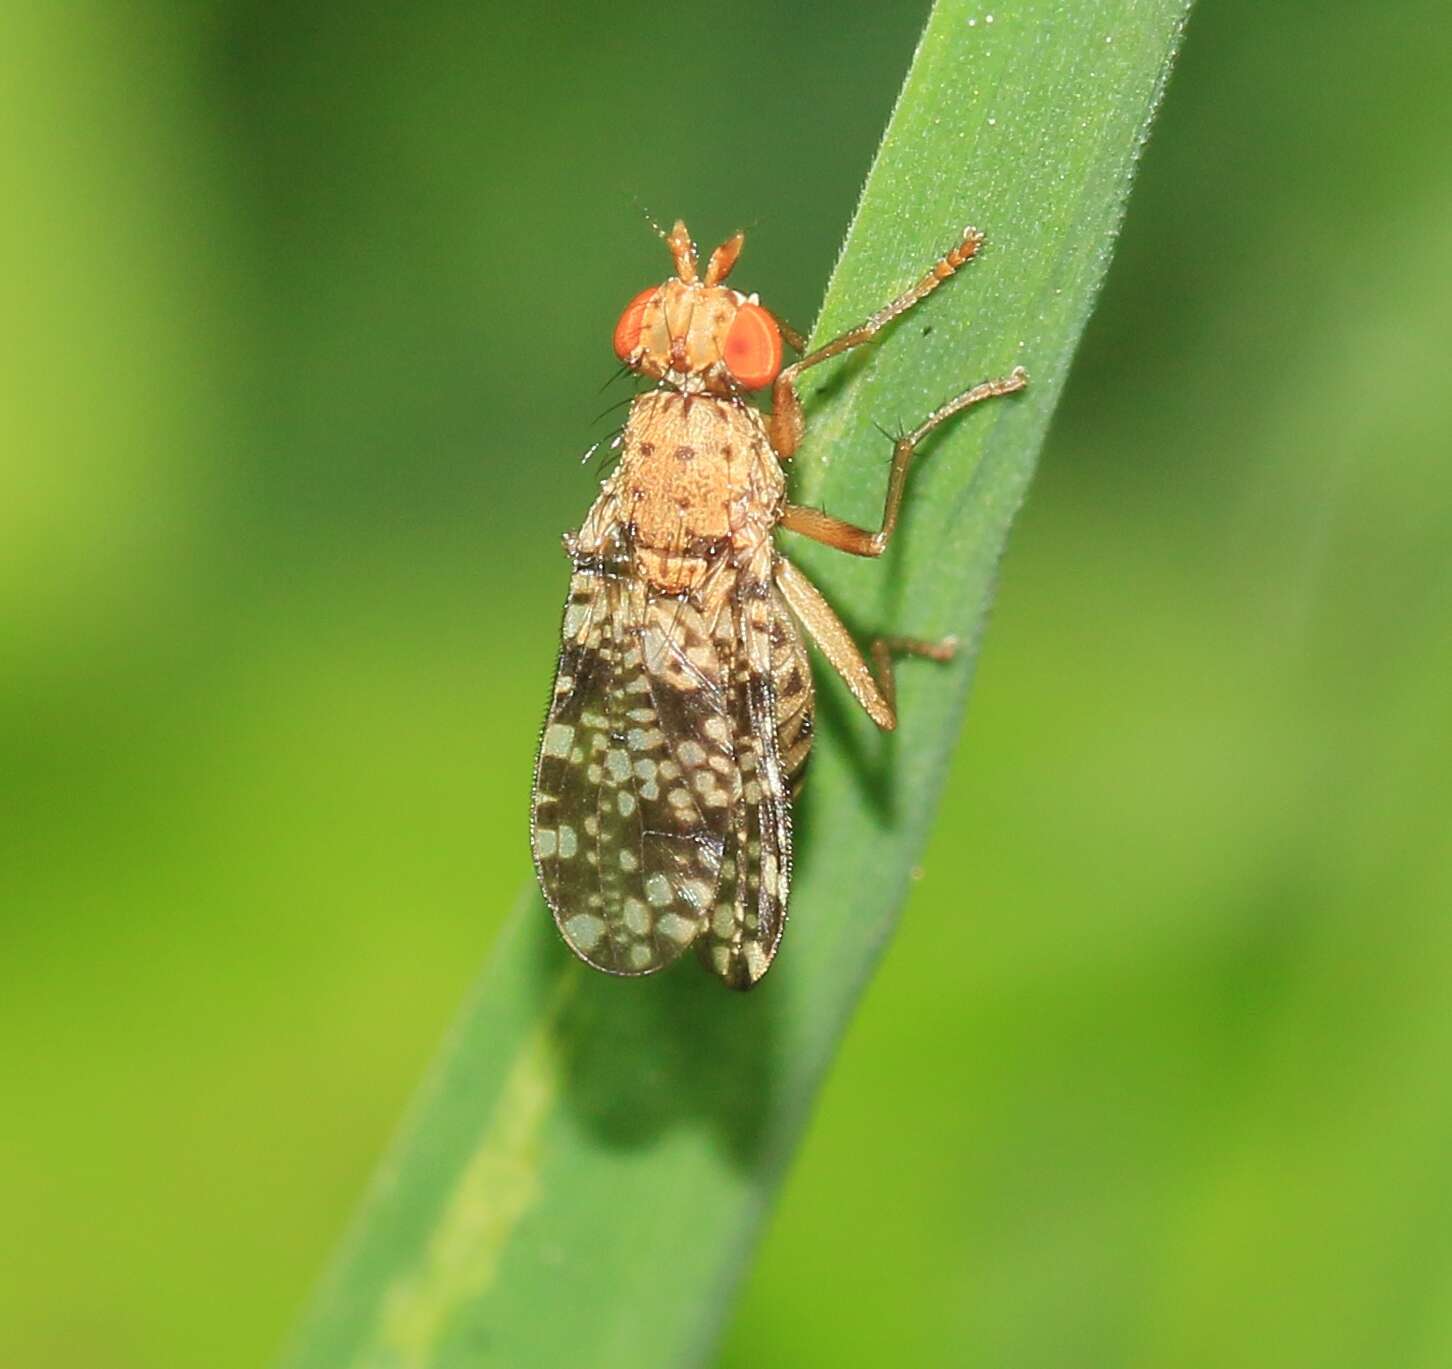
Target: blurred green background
x=306 y=318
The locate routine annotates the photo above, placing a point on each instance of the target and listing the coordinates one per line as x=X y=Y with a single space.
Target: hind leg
x=873 y=687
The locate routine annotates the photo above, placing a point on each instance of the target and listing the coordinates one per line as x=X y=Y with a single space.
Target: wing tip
x=629 y=956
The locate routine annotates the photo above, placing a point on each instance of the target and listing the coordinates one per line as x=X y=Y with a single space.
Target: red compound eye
x=753 y=347
x=627 y=331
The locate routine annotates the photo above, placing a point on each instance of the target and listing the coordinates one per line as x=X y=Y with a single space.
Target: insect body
x=682 y=710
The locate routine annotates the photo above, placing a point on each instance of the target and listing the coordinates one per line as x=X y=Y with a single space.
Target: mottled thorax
x=697 y=481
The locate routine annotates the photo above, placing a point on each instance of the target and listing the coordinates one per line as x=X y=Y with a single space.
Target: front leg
x=786 y=423
x=873 y=687
x=792 y=338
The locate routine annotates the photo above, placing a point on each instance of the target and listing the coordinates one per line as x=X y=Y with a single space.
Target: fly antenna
x=683 y=250
x=724 y=258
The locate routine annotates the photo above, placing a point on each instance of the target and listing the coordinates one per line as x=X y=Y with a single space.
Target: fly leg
x=822 y=527
x=873 y=687
x=786 y=423
x=883 y=649
x=793 y=339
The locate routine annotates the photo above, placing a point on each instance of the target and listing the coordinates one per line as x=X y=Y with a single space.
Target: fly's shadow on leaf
x=641 y=1057
x=868 y=753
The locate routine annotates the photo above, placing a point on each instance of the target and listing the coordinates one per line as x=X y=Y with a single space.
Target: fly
x=682 y=711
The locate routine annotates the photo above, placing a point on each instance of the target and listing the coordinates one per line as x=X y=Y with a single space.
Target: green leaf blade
x=585 y=1174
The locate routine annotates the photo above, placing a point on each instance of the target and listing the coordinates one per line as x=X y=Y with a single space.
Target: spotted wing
x=635 y=782
x=771 y=736
x=791 y=672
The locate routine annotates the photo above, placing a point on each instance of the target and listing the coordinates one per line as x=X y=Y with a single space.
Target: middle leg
x=835 y=532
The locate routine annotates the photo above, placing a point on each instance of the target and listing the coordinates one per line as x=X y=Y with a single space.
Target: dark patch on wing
x=627 y=833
